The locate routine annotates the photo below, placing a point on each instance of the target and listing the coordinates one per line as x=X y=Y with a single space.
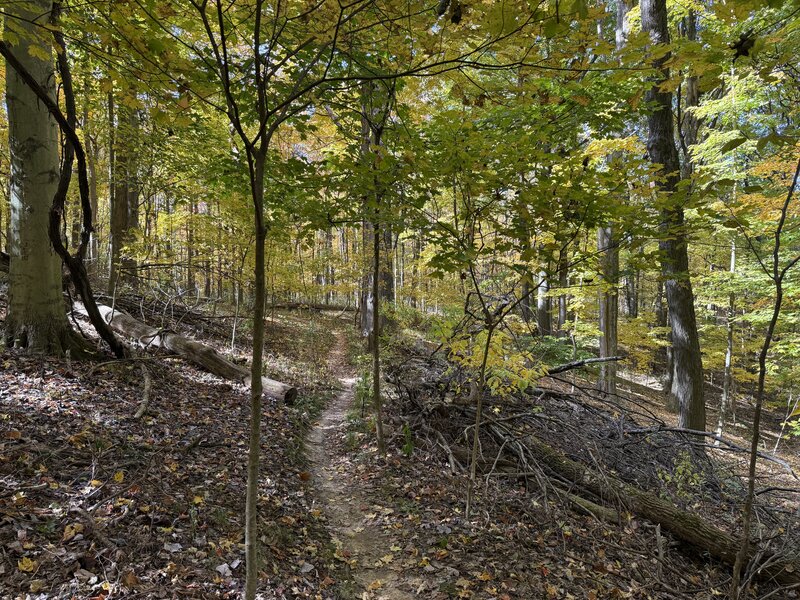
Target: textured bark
x=36 y=312
x=727 y=378
x=609 y=307
x=544 y=320
x=686 y=388
x=125 y=197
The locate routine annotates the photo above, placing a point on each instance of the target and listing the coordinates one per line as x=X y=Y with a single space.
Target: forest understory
x=97 y=503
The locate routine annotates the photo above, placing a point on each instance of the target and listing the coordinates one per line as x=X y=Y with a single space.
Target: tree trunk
x=609 y=307
x=544 y=319
x=727 y=380
x=125 y=195
x=36 y=311
x=377 y=402
x=257 y=165
x=687 y=370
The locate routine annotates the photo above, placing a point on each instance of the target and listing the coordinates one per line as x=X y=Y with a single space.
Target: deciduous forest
x=394 y=299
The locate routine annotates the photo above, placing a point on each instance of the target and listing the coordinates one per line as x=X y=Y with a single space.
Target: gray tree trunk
x=727 y=380
x=36 y=311
x=609 y=307
x=687 y=369
x=544 y=320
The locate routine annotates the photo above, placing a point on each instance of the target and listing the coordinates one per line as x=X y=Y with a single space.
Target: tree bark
x=687 y=369
x=727 y=378
x=36 y=311
x=544 y=320
x=609 y=307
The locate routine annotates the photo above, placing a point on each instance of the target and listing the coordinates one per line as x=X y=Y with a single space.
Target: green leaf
x=732 y=144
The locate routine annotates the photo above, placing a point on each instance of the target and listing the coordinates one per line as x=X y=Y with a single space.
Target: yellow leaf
x=484 y=576
x=26 y=565
x=95 y=483
x=375 y=585
x=198 y=500
x=119 y=476
x=71 y=530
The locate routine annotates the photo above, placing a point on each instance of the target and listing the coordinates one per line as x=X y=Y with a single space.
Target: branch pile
x=594 y=456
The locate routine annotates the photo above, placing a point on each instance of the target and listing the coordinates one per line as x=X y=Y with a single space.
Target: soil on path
x=345 y=502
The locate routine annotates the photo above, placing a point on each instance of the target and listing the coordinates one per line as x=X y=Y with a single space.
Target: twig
x=148 y=384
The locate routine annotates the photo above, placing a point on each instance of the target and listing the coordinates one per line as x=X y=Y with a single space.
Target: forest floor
x=350 y=510
x=97 y=504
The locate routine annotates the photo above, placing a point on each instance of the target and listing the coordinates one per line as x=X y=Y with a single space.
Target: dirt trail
x=344 y=501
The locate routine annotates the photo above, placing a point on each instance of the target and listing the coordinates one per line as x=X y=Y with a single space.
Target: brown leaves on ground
x=94 y=503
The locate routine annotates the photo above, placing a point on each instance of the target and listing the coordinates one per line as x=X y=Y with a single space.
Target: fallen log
x=684 y=525
x=581 y=363
x=310 y=306
x=191 y=350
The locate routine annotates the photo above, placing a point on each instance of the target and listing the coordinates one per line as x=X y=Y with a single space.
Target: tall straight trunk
x=366 y=298
x=330 y=271
x=125 y=194
x=36 y=310
x=563 y=282
x=609 y=307
x=544 y=319
x=687 y=370
x=191 y=284
x=727 y=380
x=377 y=403
x=116 y=220
x=257 y=164
x=609 y=261
x=387 y=270
x=632 y=292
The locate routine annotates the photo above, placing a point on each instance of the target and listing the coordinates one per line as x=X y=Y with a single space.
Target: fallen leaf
x=306 y=567
x=71 y=530
x=129 y=579
x=26 y=565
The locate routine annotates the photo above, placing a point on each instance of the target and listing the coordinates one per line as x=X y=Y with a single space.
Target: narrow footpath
x=344 y=501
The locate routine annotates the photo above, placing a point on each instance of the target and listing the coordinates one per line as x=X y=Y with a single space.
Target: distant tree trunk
x=563 y=282
x=609 y=261
x=727 y=381
x=609 y=307
x=125 y=193
x=91 y=167
x=544 y=320
x=330 y=272
x=687 y=369
x=377 y=402
x=191 y=283
x=36 y=310
x=387 y=271
x=526 y=306
x=632 y=292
